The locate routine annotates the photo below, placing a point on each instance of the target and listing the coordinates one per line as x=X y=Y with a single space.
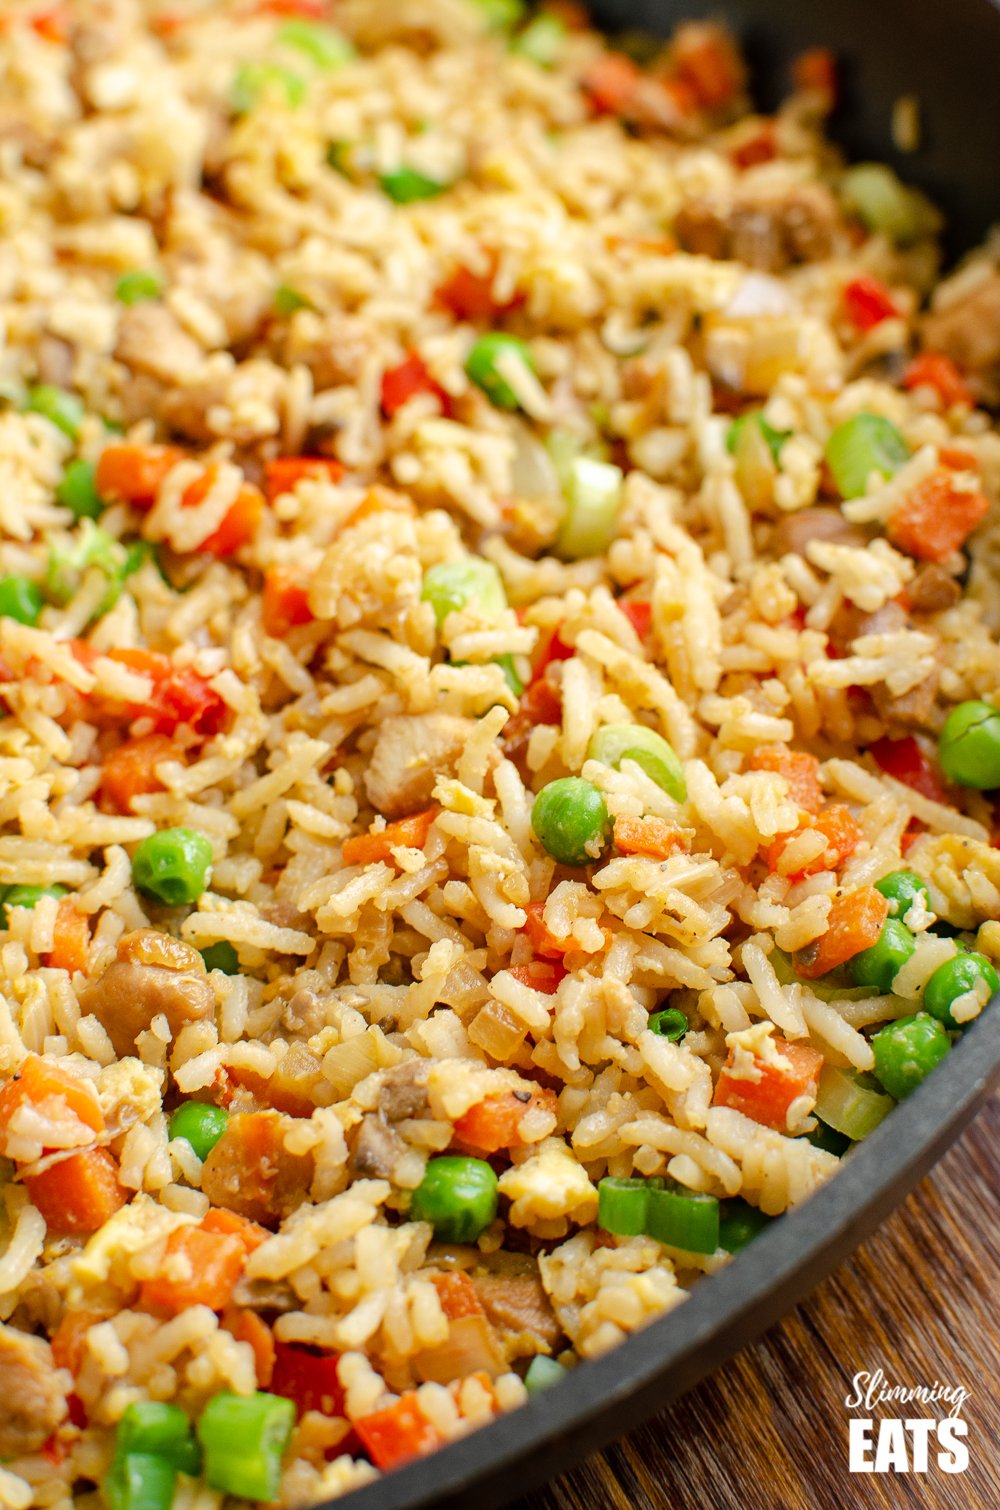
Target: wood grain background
x=921 y=1300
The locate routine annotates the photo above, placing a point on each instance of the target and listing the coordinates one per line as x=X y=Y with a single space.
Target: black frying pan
x=947 y=53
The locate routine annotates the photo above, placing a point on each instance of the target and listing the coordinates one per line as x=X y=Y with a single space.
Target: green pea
x=200 y=1125
x=78 y=490
x=670 y=1023
x=571 y=820
x=907 y=1050
x=969 y=746
x=138 y=286
x=878 y=966
x=20 y=599
x=221 y=956
x=64 y=410
x=902 y=888
x=173 y=866
x=955 y=978
x=25 y=896
x=407 y=186
x=458 y=1196
x=481 y=366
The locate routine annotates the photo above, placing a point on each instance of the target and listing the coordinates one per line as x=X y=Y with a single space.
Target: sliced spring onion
x=670 y=1024
x=287 y=300
x=255 y=81
x=21 y=599
x=775 y=438
x=541 y=40
x=501 y=15
x=617 y=742
x=514 y=682
x=830 y=989
x=886 y=205
x=67 y=566
x=851 y=1103
x=593 y=497
x=682 y=1218
x=739 y=1224
x=543 y=1373
x=244 y=1437
x=140 y=1481
x=452 y=585
x=150 y=1426
x=406 y=185
x=860 y=446
x=321 y=44
x=622 y=1205
x=490 y=354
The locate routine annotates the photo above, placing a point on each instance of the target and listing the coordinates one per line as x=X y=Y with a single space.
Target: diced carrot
x=936 y=517
x=70 y=938
x=199 y=1268
x=68 y=1338
x=868 y=302
x=379 y=500
x=776 y=1087
x=179 y=695
x=611 y=81
x=239 y=525
x=639 y=612
x=410 y=377
x=129 y=771
x=134 y=474
x=904 y=760
x=540 y=974
x=282 y=474
x=284 y=602
x=957 y=460
x=493 y=1124
x=78 y=1194
x=69 y=1105
x=366 y=849
x=707 y=61
x=52 y=24
x=842 y=836
x=815 y=72
x=648 y=836
x=247 y=1326
x=932 y=369
x=313 y=10
x=542 y=941
x=457 y=1294
x=250 y=1234
x=800 y=770
x=853 y=923
x=398 y=1433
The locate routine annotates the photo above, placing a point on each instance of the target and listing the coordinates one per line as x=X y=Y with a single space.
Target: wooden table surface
x=920 y=1299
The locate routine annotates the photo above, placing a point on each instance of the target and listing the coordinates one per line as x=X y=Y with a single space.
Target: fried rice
x=338 y=1069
